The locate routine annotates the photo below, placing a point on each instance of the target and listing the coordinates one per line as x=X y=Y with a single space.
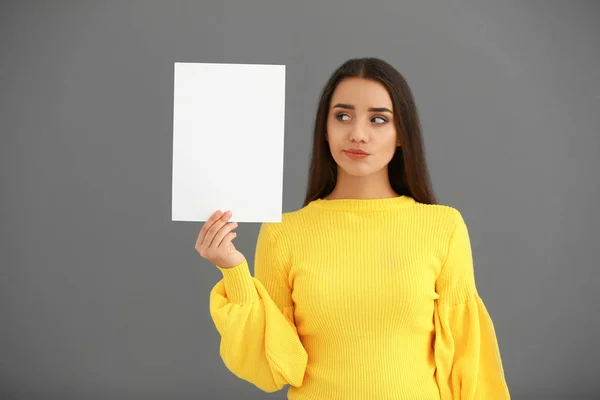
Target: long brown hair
x=408 y=172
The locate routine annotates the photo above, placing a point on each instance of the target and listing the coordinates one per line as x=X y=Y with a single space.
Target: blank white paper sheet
x=228 y=131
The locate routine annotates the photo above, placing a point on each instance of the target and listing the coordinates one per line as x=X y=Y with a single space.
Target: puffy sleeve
x=255 y=319
x=467 y=355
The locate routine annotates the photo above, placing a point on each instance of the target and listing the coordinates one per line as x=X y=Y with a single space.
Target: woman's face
x=361 y=120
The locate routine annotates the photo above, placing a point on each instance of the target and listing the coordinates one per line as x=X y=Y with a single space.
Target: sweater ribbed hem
x=239 y=284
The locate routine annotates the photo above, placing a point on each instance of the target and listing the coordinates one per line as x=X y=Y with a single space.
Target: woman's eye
x=379 y=120
x=341 y=116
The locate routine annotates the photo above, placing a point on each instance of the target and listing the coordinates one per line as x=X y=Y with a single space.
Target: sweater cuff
x=239 y=284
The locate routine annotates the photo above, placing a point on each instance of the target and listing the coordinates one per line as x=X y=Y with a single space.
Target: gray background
x=103 y=297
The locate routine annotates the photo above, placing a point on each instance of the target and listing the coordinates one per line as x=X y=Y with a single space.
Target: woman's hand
x=214 y=241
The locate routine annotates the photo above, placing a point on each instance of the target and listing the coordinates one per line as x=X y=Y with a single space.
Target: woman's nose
x=358 y=133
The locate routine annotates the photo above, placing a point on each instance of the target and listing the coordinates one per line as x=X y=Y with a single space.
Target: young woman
x=367 y=291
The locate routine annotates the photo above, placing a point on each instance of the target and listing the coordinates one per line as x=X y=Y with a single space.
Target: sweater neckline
x=364 y=205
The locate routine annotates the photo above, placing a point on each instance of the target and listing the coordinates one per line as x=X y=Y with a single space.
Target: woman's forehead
x=361 y=93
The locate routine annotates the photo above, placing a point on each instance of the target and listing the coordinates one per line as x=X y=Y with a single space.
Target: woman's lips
x=355 y=154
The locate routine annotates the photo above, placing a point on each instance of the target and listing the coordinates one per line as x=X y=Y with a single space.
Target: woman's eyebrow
x=374 y=109
x=381 y=109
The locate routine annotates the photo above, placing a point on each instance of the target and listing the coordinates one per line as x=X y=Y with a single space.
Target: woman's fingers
x=214 y=241
x=226 y=242
x=217 y=226
x=207 y=225
x=214 y=229
x=222 y=233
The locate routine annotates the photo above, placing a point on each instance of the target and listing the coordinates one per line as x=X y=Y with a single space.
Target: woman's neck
x=362 y=187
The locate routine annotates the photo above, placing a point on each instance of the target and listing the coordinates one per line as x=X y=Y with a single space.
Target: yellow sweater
x=361 y=299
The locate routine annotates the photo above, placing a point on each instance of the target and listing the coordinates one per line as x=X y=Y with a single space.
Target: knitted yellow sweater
x=361 y=299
